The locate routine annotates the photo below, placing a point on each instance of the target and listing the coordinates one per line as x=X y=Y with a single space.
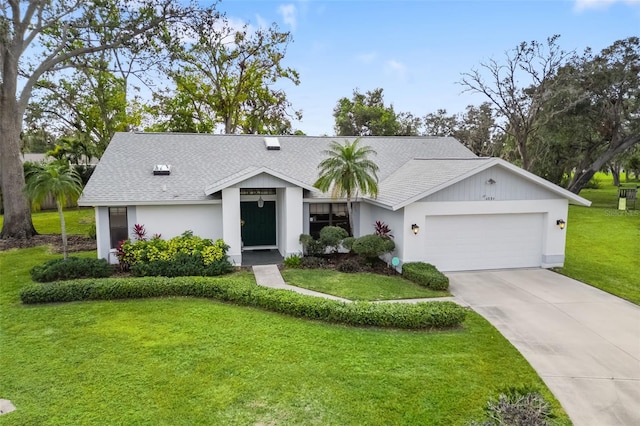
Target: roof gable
x=248 y=174
x=438 y=175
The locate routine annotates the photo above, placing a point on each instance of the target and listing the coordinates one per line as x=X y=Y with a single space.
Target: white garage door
x=472 y=242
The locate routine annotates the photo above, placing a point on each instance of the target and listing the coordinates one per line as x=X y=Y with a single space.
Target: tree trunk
x=350 y=214
x=615 y=172
x=581 y=178
x=17 y=212
x=63 y=229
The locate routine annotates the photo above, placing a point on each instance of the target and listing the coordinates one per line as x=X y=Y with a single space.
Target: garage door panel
x=470 y=242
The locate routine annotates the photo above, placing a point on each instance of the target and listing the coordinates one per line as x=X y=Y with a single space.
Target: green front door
x=259 y=227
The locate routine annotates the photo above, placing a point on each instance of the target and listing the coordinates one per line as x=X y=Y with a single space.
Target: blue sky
x=416 y=49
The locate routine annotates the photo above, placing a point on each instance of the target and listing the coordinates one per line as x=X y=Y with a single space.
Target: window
x=257 y=191
x=118 y=228
x=327 y=214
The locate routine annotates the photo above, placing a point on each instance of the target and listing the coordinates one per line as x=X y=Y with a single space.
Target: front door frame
x=254 y=198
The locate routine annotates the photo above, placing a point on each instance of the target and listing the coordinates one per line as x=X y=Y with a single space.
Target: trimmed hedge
x=427 y=315
x=425 y=274
x=72 y=268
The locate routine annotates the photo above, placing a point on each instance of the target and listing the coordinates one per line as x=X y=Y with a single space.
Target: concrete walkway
x=584 y=343
x=269 y=276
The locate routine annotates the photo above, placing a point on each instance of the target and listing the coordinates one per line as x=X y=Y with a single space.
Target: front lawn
x=77 y=221
x=603 y=243
x=360 y=286
x=196 y=361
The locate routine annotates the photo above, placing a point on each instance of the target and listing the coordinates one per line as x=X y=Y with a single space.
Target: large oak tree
x=42 y=37
x=603 y=92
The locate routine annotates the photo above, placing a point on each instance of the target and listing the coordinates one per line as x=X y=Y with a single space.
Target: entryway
x=261 y=257
x=259 y=223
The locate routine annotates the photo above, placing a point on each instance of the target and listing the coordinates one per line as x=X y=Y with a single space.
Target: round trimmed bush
x=425 y=274
x=331 y=237
x=371 y=246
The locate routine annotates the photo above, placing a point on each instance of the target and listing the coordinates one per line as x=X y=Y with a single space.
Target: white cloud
x=262 y=23
x=289 y=14
x=581 y=5
x=366 y=58
x=398 y=68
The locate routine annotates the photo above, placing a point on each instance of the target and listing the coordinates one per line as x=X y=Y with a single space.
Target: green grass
x=77 y=221
x=193 y=361
x=603 y=243
x=361 y=286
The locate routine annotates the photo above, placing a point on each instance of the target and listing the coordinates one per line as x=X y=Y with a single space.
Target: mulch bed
x=377 y=267
x=75 y=243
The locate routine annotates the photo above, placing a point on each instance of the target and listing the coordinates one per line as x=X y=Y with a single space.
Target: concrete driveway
x=584 y=343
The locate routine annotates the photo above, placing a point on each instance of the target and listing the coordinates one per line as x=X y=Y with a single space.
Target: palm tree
x=56 y=179
x=346 y=170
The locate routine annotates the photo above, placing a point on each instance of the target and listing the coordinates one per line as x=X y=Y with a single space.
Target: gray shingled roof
x=124 y=174
x=419 y=176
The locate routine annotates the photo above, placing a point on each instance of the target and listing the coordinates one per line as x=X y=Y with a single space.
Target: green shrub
x=311 y=247
x=91 y=232
x=347 y=243
x=331 y=237
x=294 y=261
x=312 y=262
x=427 y=315
x=179 y=256
x=182 y=266
x=349 y=266
x=372 y=246
x=425 y=274
x=72 y=268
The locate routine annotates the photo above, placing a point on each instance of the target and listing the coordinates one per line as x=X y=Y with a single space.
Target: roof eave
x=120 y=203
x=219 y=187
x=483 y=166
x=573 y=198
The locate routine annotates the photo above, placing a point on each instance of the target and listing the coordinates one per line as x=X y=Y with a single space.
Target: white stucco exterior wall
x=369 y=214
x=171 y=221
x=231 y=224
x=102 y=232
x=293 y=226
x=553 y=238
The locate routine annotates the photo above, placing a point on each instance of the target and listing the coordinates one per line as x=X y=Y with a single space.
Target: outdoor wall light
x=415 y=228
x=260 y=202
x=561 y=223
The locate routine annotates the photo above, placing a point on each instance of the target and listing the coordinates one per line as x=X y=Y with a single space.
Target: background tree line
x=74 y=73
x=561 y=115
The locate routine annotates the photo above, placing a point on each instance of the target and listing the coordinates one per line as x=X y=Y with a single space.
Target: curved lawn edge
x=423 y=315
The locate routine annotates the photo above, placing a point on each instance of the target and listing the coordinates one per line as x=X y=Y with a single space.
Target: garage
x=484 y=241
